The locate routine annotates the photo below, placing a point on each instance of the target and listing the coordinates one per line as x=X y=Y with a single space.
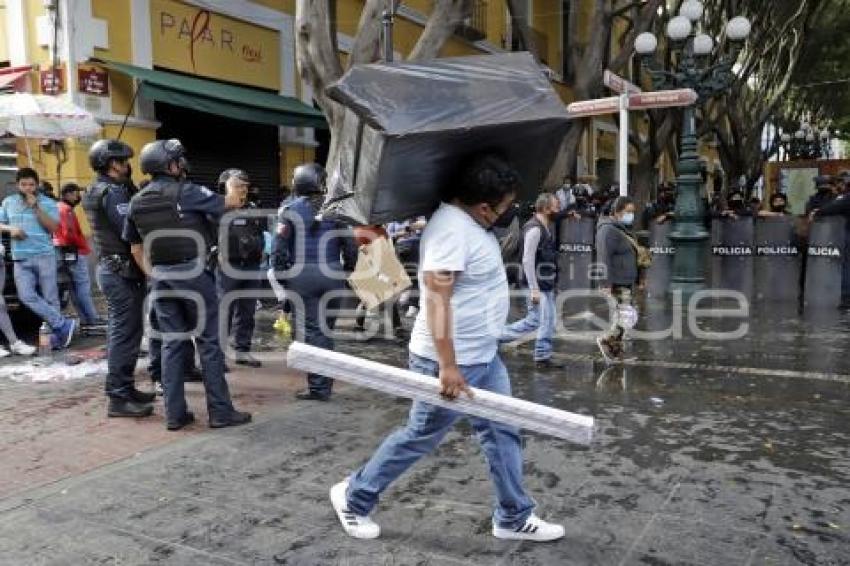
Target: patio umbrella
x=40 y=116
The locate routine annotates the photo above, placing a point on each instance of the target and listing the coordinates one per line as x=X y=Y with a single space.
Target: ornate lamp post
x=693 y=69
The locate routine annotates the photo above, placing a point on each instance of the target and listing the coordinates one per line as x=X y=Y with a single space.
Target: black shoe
x=548 y=364
x=193 y=375
x=235 y=418
x=127 y=408
x=187 y=419
x=142 y=396
x=246 y=359
x=311 y=396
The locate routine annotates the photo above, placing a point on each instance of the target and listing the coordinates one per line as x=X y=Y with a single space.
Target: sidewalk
x=690 y=466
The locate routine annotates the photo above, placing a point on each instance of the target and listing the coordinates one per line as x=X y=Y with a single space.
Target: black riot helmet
x=157 y=156
x=308 y=179
x=233 y=173
x=581 y=192
x=103 y=151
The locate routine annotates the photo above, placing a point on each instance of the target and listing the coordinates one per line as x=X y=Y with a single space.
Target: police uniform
x=119 y=278
x=242 y=244
x=182 y=280
x=317 y=269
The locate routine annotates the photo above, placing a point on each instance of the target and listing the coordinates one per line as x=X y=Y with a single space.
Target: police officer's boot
x=246 y=359
x=128 y=408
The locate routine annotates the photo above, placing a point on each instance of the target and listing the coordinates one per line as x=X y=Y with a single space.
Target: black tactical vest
x=155 y=208
x=107 y=241
x=545 y=260
x=245 y=240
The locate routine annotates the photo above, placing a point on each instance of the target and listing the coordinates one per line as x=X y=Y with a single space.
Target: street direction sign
x=596 y=107
x=618 y=84
x=662 y=99
x=631 y=98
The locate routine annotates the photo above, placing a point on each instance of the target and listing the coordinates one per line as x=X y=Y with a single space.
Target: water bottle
x=45 y=348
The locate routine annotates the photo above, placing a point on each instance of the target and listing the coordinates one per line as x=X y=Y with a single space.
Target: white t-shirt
x=454 y=241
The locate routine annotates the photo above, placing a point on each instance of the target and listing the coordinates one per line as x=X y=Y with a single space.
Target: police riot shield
x=575 y=253
x=778 y=260
x=659 y=273
x=732 y=254
x=825 y=254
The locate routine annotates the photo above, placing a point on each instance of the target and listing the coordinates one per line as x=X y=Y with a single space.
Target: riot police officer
x=171 y=217
x=304 y=246
x=241 y=245
x=118 y=276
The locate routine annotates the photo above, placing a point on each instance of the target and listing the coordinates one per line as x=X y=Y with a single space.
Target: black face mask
x=736 y=204
x=777 y=207
x=505 y=219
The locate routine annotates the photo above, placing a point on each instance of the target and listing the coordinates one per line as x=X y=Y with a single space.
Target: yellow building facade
x=243 y=43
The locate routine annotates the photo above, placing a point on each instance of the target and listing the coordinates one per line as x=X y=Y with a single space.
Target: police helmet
x=308 y=178
x=233 y=173
x=157 y=156
x=823 y=182
x=102 y=151
x=581 y=191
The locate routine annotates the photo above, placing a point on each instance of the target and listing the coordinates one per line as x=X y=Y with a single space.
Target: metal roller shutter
x=215 y=143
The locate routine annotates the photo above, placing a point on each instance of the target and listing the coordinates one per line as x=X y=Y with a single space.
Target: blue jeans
x=425 y=429
x=541 y=317
x=240 y=315
x=40 y=271
x=81 y=296
x=180 y=314
x=124 y=299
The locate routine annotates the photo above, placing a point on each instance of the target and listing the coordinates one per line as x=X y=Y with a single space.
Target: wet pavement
x=707 y=453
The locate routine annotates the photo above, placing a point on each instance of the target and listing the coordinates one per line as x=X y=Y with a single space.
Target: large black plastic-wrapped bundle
x=408 y=128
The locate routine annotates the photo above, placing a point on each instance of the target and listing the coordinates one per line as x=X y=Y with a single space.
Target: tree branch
x=444 y=20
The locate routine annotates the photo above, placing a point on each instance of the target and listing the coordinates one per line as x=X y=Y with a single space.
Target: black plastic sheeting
x=409 y=127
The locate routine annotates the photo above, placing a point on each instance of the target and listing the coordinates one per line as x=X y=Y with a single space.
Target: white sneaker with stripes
x=535 y=529
x=356 y=526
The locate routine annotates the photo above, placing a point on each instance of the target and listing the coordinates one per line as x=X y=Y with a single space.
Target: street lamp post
x=808 y=142
x=693 y=69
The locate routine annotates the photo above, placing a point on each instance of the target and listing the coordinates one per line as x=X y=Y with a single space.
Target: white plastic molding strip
x=404 y=383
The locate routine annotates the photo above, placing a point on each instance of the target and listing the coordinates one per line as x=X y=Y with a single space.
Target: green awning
x=240 y=103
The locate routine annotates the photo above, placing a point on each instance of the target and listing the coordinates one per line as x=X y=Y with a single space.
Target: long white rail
x=404 y=383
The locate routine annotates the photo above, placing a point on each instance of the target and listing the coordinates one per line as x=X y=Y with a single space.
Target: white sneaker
x=4 y=353
x=535 y=529
x=22 y=349
x=356 y=526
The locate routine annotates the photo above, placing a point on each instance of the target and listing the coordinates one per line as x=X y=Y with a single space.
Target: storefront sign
x=93 y=81
x=52 y=81
x=201 y=42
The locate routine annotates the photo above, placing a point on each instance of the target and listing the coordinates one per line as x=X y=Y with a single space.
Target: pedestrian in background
x=540 y=269
x=74 y=250
x=16 y=345
x=617 y=254
x=30 y=218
